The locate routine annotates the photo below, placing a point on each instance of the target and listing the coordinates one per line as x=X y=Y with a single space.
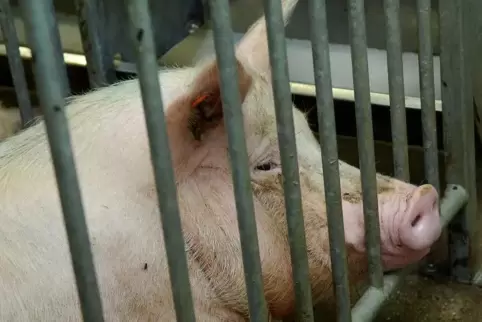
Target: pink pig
x=110 y=144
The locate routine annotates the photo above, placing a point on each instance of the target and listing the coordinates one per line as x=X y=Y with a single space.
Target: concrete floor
x=425 y=300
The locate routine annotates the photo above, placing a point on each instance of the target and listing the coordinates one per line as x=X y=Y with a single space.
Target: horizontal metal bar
x=369 y=304
x=142 y=39
x=51 y=92
x=300 y=67
x=396 y=89
x=233 y=118
x=302 y=87
x=289 y=161
x=15 y=63
x=329 y=154
x=366 y=148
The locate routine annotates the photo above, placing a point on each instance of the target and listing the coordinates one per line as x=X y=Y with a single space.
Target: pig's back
x=113 y=163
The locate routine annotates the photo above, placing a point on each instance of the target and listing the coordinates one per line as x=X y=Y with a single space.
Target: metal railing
x=458 y=139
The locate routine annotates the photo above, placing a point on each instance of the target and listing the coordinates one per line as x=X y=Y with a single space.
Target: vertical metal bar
x=101 y=71
x=331 y=172
x=233 y=118
x=427 y=98
x=458 y=121
x=51 y=96
x=44 y=11
x=366 y=148
x=289 y=161
x=15 y=62
x=427 y=92
x=142 y=38
x=473 y=27
x=396 y=90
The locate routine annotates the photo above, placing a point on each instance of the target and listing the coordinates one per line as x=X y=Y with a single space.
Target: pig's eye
x=266 y=166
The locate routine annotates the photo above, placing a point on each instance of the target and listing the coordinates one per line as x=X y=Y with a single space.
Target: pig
x=110 y=145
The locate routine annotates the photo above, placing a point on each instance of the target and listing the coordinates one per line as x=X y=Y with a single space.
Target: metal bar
x=470 y=32
x=427 y=103
x=233 y=118
x=427 y=93
x=397 y=90
x=51 y=94
x=43 y=10
x=15 y=63
x=143 y=41
x=329 y=149
x=458 y=119
x=366 y=147
x=371 y=301
x=101 y=70
x=289 y=161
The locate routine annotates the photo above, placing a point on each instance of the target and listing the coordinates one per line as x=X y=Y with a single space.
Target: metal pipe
x=43 y=10
x=458 y=124
x=15 y=63
x=329 y=153
x=51 y=94
x=233 y=118
x=427 y=93
x=397 y=90
x=100 y=68
x=143 y=41
x=289 y=161
x=366 y=148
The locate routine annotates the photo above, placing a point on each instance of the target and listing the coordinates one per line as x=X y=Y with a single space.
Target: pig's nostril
x=423 y=225
x=416 y=220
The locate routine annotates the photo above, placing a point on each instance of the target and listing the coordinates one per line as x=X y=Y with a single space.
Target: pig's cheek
x=353 y=224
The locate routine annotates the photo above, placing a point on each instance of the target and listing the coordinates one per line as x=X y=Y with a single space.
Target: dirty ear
x=252 y=49
x=200 y=110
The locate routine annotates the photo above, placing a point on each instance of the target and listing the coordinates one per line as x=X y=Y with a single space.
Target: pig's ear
x=200 y=110
x=252 y=49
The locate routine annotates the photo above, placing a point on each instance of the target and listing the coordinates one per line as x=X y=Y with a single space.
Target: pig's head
x=409 y=217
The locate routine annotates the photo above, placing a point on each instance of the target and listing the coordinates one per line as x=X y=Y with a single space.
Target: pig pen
x=439 y=300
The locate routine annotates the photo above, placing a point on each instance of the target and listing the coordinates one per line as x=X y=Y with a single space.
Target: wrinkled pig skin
x=110 y=144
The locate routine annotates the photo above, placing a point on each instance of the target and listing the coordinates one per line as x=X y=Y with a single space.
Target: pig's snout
x=421 y=225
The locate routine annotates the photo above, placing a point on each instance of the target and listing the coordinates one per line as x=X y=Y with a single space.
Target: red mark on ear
x=199 y=100
x=210 y=101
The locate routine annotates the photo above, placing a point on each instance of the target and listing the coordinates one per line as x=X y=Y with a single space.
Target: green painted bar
x=329 y=149
x=44 y=11
x=397 y=90
x=100 y=73
x=142 y=39
x=233 y=118
x=15 y=62
x=51 y=94
x=427 y=93
x=289 y=161
x=366 y=148
x=458 y=125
